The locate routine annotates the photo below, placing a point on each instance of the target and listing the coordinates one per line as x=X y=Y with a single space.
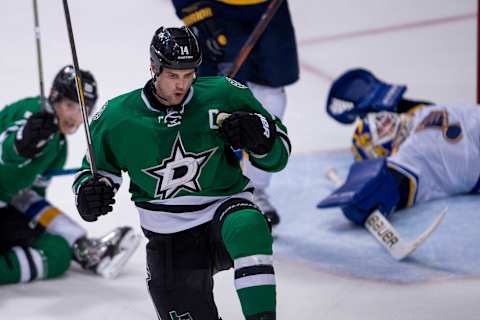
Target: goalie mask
x=379 y=135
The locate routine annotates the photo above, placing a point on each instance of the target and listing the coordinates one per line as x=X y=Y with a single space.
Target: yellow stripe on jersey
x=48 y=215
x=242 y=2
x=197 y=16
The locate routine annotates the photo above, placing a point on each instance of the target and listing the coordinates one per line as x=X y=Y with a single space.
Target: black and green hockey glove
x=95 y=198
x=34 y=135
x=250 y=131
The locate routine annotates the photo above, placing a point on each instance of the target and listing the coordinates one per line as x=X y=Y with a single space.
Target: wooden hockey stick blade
x=378 y=225
x=333 y=176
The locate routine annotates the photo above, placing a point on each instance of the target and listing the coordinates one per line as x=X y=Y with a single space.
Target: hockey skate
x=106 y=255
x=261 y=199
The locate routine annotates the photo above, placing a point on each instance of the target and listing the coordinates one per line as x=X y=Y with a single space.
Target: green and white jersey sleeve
x=16 y=172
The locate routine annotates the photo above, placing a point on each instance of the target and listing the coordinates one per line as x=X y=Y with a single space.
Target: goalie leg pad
x=370 y=185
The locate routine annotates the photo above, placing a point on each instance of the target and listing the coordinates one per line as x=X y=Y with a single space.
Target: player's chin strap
x=378 y=225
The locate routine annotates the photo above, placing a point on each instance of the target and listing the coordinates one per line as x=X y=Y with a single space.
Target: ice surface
x=436 y=61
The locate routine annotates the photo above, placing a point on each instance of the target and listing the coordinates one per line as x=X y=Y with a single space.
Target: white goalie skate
x=107 y=255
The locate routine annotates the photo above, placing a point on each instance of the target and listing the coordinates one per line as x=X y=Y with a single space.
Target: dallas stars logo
x=180 y=171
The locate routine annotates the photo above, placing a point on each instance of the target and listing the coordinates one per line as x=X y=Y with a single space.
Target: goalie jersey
x=179 y=165
x=441 y=153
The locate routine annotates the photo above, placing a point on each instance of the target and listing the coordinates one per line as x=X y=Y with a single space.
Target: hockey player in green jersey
x=176 y=138
x=37 y=240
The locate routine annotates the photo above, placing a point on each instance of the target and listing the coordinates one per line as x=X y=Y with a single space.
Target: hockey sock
x=248 y=240
x=57 y=254
x=48 y=258
x=21 y=264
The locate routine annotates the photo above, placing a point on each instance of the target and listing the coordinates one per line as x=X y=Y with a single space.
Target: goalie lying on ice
x=431 y=151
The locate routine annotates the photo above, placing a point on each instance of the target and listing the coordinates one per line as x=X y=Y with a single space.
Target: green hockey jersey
x=179 y=164
x=16 y=172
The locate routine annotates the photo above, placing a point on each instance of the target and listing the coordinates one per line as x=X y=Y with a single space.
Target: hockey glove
x=251 y=131
x=201 y=19
x=95 y=198
x=34 y=135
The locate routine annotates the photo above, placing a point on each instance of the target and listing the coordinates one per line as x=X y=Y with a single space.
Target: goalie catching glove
x=95 y=198
x=250 y=131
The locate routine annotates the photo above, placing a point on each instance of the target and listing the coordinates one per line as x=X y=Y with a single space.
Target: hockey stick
x=254 y=36
x=60 y=172
x=78 y=82
x=378 y=225
x=43 y=104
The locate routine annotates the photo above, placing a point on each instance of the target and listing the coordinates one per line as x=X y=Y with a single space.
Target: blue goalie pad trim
x=358 y=92
x=369 y=186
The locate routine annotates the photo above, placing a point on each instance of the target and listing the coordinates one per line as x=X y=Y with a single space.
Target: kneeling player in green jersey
x=37 y=240
x=176 y=138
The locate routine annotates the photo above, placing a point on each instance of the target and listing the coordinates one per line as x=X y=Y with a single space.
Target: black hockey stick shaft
x=39 y=56
x=254 y=36
x=78 y=82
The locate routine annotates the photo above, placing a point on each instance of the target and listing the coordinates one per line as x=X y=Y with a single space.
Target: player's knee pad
x=57 y=253
x=234 y=223
x=370 y=185
x=179 y=274
x=222 y=258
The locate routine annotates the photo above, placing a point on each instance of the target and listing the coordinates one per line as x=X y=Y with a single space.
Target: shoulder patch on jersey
x=236 y=83
x=98 y=114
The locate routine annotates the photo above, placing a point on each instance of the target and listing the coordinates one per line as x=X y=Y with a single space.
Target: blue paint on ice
x=327 y=240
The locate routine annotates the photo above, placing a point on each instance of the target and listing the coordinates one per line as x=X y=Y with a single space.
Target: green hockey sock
x=248 y=240
x=49 y=257
x=9 y=268
x=57 y=254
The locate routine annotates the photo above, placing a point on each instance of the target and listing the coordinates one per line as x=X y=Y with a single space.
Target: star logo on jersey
x=180 y=171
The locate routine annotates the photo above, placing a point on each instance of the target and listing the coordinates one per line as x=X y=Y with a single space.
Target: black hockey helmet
x=174 y=48
x=64 y=86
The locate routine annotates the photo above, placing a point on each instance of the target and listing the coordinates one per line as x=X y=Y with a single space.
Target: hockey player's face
x=69 y=115
x=172 y=85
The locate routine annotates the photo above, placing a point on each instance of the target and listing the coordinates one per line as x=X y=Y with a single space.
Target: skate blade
x=111 y=267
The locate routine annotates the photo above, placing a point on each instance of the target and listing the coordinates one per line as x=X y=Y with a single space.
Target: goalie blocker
x=370 y=185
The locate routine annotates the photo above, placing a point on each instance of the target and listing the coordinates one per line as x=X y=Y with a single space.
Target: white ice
x=428 y=44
